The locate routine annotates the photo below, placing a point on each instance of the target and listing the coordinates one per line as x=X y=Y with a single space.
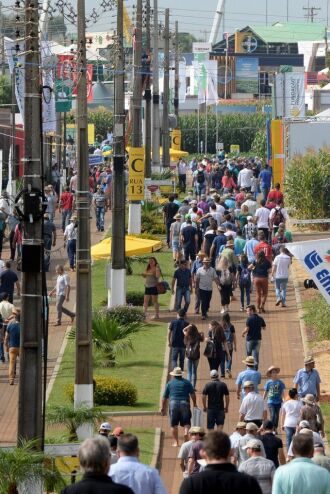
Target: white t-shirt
x=4 y=205
x=262 y=215
x=220 y=209
x=245 y=177
x=253 y=406
x=2 y=266
x=63 y=280
x=292 y=412
x=282 y=263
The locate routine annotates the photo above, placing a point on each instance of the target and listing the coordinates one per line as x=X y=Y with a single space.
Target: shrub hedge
x=125 y=314
x=110 y=391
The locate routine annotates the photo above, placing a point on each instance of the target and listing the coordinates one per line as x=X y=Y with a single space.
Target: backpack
x=278 y=217
x=225 y=277
x=193 y=350
x=200 y=177
x=245 y=276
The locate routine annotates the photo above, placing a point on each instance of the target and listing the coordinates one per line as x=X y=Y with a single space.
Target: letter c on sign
x=176 y=139
x=135 y=167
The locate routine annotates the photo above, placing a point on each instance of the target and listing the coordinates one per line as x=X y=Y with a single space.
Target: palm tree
x=111 y=338
x=73 y=418
x=25 y=465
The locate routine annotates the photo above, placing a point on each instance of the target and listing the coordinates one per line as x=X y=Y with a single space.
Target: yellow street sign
x=135 y=189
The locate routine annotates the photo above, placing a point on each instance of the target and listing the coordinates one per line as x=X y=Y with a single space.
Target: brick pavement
x=9 y=394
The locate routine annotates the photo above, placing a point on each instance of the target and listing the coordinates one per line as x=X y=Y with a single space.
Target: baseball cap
x=105 y=426
x=305 y=424
x=249 y=218
x=118 y=431
x=214 y=373
x=254 y=444
x=251 y=426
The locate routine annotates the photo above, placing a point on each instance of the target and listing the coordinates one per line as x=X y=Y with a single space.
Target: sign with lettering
x=135 y=188
x=314 y=255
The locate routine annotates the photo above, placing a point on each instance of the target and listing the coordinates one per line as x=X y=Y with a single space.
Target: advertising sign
x=135 y=189
x=314 y=255
x=247 y=75
x=67 y=69
x=294 y=94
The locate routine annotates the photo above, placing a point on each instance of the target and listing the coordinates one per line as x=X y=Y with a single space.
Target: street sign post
x=135 y=189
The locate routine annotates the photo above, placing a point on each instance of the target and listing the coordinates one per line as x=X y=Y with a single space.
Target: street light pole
x=147 y=97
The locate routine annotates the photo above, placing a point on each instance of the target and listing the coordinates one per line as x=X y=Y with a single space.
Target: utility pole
x=117 y=295
x=30 y=423
x=311 y=12
x=83 y=392
x=147 y=97
x=176 y=76
x=137 y=77
x=3 y=68
x=134 y=208
x=166 y=134
x=155 y=96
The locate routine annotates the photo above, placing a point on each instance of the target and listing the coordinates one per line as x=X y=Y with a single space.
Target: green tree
x=57 y=27
x=5 y=90
x=185 y=42
x=102 y=119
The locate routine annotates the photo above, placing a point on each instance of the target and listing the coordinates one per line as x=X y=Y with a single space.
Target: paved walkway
x=9 y=394
x=281 y=346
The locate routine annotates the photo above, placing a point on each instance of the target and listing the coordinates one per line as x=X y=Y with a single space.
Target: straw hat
x=251 y=426
x=196 y=430
x=309 y=360
x=177 y=372
x=230 y=243
x=248 y=384
x=201 y=253
x=241 y=425
x=249 y=361
x=177 y=217
x=309 y=399
x=206 y=260
x=271 y=368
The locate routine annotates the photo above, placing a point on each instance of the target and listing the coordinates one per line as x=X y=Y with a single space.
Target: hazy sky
x=196 y=16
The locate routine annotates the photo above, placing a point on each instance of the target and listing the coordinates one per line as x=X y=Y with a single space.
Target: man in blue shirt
x=249 y=374
x=182 y=277
x=250 y=246
x=178 y=392
x=301 y=474
x=307 y=380
x=12 y=343
x=218 y=242
x=128 y=471
x=265 y=180
x=176 y=339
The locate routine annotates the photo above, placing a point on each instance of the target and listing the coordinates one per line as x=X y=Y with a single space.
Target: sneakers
x=278 y=302
x=228 y=371
x=242 y=309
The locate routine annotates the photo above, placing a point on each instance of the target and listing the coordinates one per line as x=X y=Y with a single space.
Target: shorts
x=215 y=417
x=150 y=290
x=180 y=413
x=175 y=246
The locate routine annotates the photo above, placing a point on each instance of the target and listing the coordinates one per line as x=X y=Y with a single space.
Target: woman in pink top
x=228 y=182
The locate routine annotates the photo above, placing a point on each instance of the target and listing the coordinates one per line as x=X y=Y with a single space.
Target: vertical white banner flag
x=212 y=82
x=48 y=93
x=182 y=82
x=16 y=66
x=314 y=255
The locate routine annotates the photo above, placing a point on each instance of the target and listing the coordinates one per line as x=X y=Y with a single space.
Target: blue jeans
x=175 y=354
x=182 y=292
x=100 y=218
x=290 y=432
x=2 y=353
x=192 y=371
x=225 y=362
x=280 y=289
x=245 y=290
x=66 y=215
x=274 y=412
x=264 y=191
x=72 y=252
x=253 y=348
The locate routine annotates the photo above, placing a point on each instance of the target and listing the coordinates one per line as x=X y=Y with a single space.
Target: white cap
x=105 y=426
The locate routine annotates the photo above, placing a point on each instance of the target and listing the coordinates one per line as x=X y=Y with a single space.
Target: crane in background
x=218 y=17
